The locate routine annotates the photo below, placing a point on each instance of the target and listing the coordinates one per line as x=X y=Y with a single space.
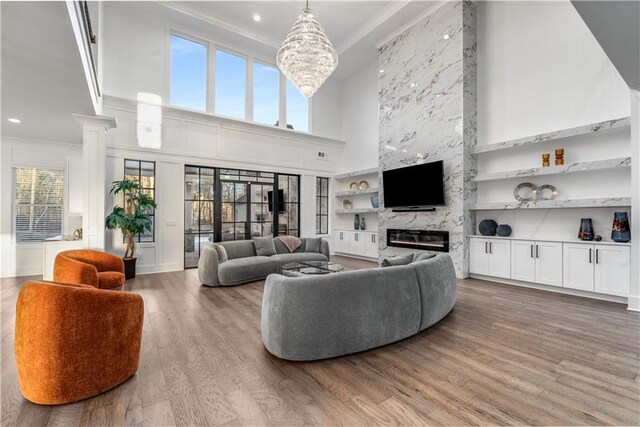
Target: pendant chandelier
x=306 y=56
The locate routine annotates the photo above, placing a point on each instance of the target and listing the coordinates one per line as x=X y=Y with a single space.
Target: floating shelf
x=554 y=136
x=357 y=211
x=622 y=162
x=357 y=192
x=555 y=204
x=354 y=174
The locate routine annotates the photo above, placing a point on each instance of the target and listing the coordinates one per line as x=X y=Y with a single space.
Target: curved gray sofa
x=317 y=317
x=244 y=265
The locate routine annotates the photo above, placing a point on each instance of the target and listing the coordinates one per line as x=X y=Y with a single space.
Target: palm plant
x=133 y=218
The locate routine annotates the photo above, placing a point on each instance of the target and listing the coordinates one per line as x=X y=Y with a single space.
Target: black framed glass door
x=199 y=211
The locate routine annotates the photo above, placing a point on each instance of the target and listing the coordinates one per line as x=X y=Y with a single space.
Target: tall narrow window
x=266 y=94
x=322 y=205
x=297 y=109
x=231 y=82
x=188 y=73
x=38 y=204
x=144 y=173
x=289 y=216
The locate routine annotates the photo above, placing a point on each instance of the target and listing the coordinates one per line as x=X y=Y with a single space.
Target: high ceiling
x=43 y=81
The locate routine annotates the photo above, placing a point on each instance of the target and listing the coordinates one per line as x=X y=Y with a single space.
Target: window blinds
x=38 y=204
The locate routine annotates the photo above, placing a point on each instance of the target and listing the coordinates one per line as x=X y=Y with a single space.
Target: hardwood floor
x=504 y=355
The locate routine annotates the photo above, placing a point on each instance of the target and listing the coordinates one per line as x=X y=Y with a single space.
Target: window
x=231 y=82
x=199 y=212
x=289 y=217
x=188 y=73
x=322 y=205
x=297 y=109
x=145 y=174
x=266 y=94
x=38 y=204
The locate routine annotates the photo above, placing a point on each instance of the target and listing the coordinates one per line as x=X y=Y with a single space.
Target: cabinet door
x=523 y=261
x=371 y=245
x=358 y=243
x=548 y=256
x=479 y=256
x=500 y=258
x=577 y=266
x=339 y=242
x=612 y=270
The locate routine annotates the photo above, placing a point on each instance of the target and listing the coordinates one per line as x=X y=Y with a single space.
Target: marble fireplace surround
x=427 y=97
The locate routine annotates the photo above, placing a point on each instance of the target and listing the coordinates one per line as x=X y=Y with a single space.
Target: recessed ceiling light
x=381 y=71
x=413 y=85
x=14 y=120
x=256 y=17
x=446 y=36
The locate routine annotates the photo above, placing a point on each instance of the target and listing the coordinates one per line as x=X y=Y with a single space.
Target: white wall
x=540 y=69
x=135 y=59
x=360 y=119
x=25 y=259
x=634 y=291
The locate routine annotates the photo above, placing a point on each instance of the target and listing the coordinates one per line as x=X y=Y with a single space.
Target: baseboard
x=162 y=268
x=363 y=258
x=574 y=292
x=633 y=304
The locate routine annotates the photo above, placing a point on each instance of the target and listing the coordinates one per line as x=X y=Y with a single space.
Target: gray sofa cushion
x=208 y=266
x=264 y=246
x=421 y=256
x=313 y=244
x=239 y=248
x=315 y=317
x=282 y=259
x=247 y=269
x=437 y=281
x=397 y=260
x=222 y=253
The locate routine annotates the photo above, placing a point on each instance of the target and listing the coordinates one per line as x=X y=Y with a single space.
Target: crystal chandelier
x=306 y=56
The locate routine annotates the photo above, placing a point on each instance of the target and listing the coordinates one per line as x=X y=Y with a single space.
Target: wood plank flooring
x=504 y=355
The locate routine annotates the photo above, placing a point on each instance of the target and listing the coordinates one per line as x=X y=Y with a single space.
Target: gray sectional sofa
x=244 y=265
x=317 y=317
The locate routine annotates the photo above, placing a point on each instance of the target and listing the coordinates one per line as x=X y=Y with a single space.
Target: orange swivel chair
x=75 y=341
x=89 y=267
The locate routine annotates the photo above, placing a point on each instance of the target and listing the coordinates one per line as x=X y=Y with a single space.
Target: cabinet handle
x=486 y=247
x=531 y=251
x=537 y=251
x=490 y=247
x=597 y=250
x=590 y=255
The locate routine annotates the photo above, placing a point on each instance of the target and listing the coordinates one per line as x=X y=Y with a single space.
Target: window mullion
x=248 y=114
x=211 y=78
x=283 y=102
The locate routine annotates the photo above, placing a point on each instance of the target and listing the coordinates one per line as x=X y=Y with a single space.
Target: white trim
x=633 y=303
x=419 y=17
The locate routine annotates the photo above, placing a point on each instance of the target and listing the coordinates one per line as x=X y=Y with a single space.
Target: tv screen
x=280 y=201
x=419 y=185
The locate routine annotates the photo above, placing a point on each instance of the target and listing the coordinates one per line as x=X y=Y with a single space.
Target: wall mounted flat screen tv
x=280 y=201
x=414 y=186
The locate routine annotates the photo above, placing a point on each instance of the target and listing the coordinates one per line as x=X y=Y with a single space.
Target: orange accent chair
x=89 y=267
x=75 y=341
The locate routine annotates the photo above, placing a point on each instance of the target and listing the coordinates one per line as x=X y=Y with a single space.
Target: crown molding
x=180 y=7
x=419 y=17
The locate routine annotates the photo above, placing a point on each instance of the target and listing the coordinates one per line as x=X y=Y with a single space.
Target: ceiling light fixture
x=381 y=71
x=256 y=17
x=14 y=120
x=306 y=56
x=446 y=36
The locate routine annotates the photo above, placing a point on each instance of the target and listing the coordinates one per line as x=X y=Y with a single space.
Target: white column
x=94 y=190
x=634 y=289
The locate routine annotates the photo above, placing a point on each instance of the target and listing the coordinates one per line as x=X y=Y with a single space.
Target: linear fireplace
x=429 y=240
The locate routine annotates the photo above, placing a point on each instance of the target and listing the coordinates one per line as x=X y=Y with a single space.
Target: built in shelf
x=356 y=192
x=357 y=211
x=555 y=204
x=354 y=174
x=622 y=162
x=557 y=135
x=552 y=239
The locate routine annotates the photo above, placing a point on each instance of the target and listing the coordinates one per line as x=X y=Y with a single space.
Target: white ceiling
x=43 y=81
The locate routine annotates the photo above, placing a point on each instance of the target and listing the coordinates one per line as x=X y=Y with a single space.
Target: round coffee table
x=311 y=268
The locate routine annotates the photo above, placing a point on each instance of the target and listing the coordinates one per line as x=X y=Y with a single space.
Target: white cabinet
x=371 y=245
x=490 y=257
x=597 y=268
x=359 y=243
x=523 y=260
x=612 y=269
x=539 y=262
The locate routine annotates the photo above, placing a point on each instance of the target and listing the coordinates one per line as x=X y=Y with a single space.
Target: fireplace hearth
x=427 y=240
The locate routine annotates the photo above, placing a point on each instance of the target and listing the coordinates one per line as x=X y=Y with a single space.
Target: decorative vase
x=503 y=230
x=488 y=227
x=356 y=222
x=363 y=225
x=375 y=202
x=586 y=229
x=620 y=232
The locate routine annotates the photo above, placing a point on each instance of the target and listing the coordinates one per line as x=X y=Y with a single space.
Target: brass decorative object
x=353 y=186
x=346 y=204
x=545 y=160
x=363 y=185
x=559 y=156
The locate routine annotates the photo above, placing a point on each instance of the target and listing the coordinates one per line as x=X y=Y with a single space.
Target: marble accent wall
x=427 y=96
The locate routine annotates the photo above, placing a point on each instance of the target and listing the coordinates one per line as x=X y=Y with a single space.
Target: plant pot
x=129 y=268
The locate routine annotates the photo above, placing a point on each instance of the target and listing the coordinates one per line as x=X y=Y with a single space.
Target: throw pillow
x=397 y=260
x=222 y=253
x=291 y=242
x=422 y=256
x=264 y=246
x=313 y=244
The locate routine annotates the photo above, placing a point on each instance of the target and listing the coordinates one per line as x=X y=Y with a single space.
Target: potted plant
x=131 y=219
